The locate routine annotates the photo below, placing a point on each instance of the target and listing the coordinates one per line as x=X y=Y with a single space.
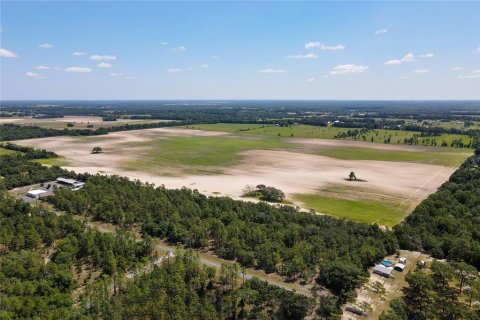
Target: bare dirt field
x=284 y=166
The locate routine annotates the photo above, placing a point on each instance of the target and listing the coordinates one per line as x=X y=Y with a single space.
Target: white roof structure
x=400 y=266
x=380 y=268
x=36 y=192
x=71 y=182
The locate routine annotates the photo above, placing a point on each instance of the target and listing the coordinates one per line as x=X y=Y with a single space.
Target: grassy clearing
x=358 y=210
x=434 y=156
x=198 y=154
x=58 y=161
x=305 y=131
x=4 y=152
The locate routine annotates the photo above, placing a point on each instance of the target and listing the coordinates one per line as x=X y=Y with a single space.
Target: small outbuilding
x=383 y=271
x=399 y=266
x=36 y=193
x=70 y=183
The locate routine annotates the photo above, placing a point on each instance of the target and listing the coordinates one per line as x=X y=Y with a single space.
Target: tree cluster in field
x=447 y=223
x=183 y=289
x=294 y=244
x=28 y=152
x=441 y=291
x=264 y=193
x=42 y=256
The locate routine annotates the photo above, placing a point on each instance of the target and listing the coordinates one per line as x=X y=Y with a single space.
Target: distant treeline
x=10 y=131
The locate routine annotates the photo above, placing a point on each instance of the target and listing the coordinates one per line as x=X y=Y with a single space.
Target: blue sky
x=240 y=50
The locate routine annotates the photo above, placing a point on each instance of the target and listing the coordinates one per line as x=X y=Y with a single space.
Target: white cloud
x=164 y=43
x=116 y=74
x=348 y=69
x=427 y=55
x=204 y=66
x=321 y=46
x=478 y=50
x=42 y=67
x=475 y=74
x=409 y=57
x=174 y=70
x=79 y=53
x=97 y=57
x=45 y=45
x=395 y=61
x=78 y=69
x=303 y=56
x=214 y=57
x=311 y=80
x=7 y=53
x=56 y=68
x=268 y=70
x=381 y=31
x=104 y=65
x=33 y=75
x=421 y=71
x=457 y=69
x=403 y=77
x=181 y=49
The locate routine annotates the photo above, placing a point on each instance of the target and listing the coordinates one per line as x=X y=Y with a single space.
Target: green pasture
x=4 y=152
x=437 y=156
x=367 y=211
x=306 y=131
x=57 y=161
x=197 y=154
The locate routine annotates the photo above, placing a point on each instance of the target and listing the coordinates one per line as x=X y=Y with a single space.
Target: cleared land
x=307 y=170
x=79 y=122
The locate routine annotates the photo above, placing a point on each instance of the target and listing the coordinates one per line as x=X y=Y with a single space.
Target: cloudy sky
x=233 y=50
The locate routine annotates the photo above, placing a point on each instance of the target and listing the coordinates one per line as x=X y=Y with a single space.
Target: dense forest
x=18 y=170
x=439 y=291
x=42 y=256
x=184 y=289
x=275 y=239
x=54 y=267
x=447 y=223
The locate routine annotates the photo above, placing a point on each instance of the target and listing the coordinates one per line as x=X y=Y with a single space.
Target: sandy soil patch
x=292 y=172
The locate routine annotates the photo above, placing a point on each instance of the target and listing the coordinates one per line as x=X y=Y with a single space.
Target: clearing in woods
x=312 y=172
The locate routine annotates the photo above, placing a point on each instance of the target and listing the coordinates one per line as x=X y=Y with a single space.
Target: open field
x=307 y=170
x=387 y=213
x=79 y=122
x=306 y=131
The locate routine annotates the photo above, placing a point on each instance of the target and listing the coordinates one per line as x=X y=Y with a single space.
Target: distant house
x=70 y=183
x=383 y=271
x=36 y=193
x=403 y=260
